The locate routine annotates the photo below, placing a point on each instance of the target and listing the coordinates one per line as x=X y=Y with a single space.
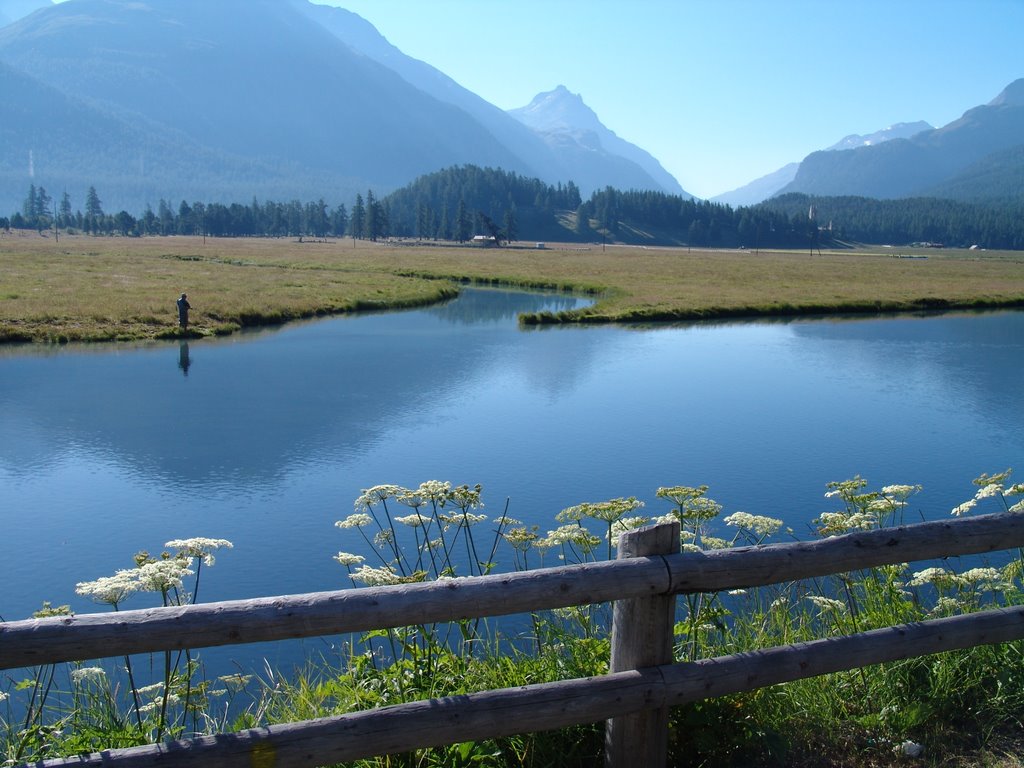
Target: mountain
x=220 y=101
x=589 y=152
x=12 y=10
x=619 y=164
x=928 y=161
x=767 y=186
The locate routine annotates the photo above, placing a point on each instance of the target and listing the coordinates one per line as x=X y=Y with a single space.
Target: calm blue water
x=266 y=439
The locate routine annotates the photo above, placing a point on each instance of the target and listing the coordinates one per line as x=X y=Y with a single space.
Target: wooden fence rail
x=235 y=622
x=647 y=573
x=546 y=706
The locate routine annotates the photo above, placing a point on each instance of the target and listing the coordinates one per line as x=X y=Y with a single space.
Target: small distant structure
x=541 y=246
x=486 y=241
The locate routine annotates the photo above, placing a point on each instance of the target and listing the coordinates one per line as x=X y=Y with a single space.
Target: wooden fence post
x=642 y=635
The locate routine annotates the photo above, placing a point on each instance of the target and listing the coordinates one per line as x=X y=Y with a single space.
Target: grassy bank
x=88 y=289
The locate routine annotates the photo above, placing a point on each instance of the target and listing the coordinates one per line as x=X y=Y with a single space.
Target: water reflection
x=104 y=451
x=184 y=362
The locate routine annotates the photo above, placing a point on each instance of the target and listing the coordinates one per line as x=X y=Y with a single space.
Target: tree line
x=459 y=203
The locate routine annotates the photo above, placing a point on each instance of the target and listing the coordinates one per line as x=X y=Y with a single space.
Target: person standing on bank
x=183 y=308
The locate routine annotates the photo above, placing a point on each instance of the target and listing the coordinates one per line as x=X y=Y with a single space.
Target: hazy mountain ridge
x=771 y=184
x=321 y=105
x=925 y=162
x=566 y=122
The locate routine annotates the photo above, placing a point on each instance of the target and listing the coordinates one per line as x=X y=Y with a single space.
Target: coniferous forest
x=460 y=203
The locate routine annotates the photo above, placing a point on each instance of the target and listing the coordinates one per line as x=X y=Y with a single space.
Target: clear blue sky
x=722 y=91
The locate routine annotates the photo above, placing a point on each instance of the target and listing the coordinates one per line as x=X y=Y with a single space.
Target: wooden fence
x=634 y=698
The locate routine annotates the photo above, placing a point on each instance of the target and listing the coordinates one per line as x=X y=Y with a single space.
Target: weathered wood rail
x=634 y=697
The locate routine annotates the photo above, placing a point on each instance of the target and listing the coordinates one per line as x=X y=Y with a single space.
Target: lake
x=266 y=438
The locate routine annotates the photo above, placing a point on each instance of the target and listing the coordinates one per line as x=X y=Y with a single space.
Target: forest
x=459 y=203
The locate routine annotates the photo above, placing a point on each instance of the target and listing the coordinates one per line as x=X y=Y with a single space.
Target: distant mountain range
x=773 y=183
x=977 y=158
x=169 y=99
x=226 y=100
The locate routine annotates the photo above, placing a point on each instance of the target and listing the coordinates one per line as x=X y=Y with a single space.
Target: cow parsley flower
x=989 y=491
x=759 y=525
x=521 y=537
x=199 y=547
x=413 y=521
x=110 y=590
x=347 y=558
x=827 y=604
x=355 y=520
x=375 y=577
x=88 y=674
x=163 y=575
x=376 y=495
x=940 y=577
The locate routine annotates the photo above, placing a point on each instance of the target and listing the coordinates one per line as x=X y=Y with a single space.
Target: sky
x=721 y=92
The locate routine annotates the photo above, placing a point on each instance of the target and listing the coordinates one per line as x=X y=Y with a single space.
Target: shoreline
x=86 y=289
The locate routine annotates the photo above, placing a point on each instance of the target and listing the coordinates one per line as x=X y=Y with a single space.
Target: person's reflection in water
x=183 y=360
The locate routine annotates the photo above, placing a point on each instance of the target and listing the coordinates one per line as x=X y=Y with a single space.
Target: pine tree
x=357 y=221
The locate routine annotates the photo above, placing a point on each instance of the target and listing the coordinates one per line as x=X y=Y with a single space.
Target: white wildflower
x=825 y=604
x=163 y=575
x=463 y=519
x=199 y=547
x=235 y=682
x=414 y=520
x=989 y=491
x=347 y=558
x=940 y=577
x=713 y=542
x=992 y=578
x=356 y=520
x=375 y=577
x=1018 y=507
x=759 y=525
x=377 y=494
x=624 y=524
x=945 y=606
x=88 y=674
x=1015 y=490
x=737 y=592
x=900 y=492
x=521 y=537
x=963 y=509
x=111 y=590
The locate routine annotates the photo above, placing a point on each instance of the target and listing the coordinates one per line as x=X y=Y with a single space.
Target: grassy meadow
x=84 y=288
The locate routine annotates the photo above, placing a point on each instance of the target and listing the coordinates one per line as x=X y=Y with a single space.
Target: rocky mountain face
x=204 y=100
x=584 y=145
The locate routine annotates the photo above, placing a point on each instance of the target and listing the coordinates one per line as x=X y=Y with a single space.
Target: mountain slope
x=12 y=10
x=926 y=161
x=250 y=79
x=550 y=160
x=766 y=186
x=590 y=152
x=55 y=141
x=359 y=35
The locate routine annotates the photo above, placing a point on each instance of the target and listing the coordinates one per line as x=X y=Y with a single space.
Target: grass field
x=89 y=289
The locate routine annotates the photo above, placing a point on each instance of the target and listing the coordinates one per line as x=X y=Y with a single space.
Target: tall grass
x=89 y=289
x=870 y=716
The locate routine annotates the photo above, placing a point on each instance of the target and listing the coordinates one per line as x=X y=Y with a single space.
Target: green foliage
x=993 y=224
x=865 y=714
